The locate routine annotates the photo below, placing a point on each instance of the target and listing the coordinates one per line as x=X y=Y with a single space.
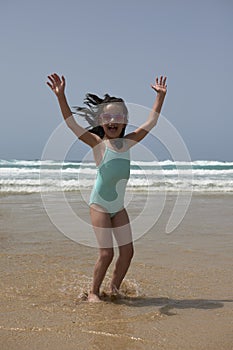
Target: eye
x=119 y=118
x=107 y=118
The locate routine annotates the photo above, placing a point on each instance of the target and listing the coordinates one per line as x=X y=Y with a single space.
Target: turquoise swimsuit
x=112 y=177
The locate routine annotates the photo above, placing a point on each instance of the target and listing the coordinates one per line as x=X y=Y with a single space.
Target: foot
x=93 y=298
x=114 y=293
x=114 y=290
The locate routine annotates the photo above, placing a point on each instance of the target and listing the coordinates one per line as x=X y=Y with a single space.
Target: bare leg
x=101 y=266
x=121 y=267
x=102 y=226
x=123 y=235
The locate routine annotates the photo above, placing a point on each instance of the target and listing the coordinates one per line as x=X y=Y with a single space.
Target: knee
x=106 y=255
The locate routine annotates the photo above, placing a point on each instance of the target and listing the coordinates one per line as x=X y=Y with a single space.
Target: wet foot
x=93 y=298
x=114 y=290
x=114 y=294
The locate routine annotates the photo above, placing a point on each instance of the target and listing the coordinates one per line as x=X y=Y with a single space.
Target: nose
x=112 y=120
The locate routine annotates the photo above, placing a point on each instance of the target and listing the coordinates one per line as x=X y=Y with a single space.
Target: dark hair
x=95 y=106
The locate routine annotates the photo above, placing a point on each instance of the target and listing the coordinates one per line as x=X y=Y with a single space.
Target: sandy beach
x=176 y=295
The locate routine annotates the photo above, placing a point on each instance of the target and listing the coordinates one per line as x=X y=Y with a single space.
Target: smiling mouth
x=112 y=128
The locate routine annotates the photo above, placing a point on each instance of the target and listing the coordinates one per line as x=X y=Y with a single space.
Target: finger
x=56 y=78
x=164 y=81
x=55 y=75
x=63 y=79
x=157 y=80
x=161 y=80
x=51 y=79
x=50 y=85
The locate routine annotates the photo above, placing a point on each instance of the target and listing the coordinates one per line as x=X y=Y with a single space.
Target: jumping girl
x=108 y=118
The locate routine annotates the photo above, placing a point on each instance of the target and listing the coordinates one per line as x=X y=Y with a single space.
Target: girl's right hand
x=57 y=84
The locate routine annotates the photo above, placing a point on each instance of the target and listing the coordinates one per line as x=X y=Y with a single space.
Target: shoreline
x=138 y=190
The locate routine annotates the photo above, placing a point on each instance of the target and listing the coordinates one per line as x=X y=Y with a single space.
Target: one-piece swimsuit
x=112 y=176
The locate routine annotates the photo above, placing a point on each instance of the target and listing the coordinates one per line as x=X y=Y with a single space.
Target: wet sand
x=176 y=295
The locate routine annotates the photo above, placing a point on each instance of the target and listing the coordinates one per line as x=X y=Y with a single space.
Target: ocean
x=33 y=176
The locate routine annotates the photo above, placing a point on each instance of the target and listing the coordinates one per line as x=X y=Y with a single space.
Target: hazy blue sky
x=118 y=47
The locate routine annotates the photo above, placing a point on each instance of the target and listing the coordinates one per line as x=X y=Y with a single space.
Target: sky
x=117 y=47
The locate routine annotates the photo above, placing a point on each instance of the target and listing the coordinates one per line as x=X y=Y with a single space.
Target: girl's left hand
x=160 y=85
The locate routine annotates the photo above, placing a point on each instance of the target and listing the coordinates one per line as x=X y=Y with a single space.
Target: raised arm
x=161 y=88
x=57 y=85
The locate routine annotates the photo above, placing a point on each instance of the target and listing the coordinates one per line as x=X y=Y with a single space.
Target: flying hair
x=94 y=107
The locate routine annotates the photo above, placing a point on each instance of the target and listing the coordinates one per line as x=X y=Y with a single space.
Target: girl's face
x=113 y=120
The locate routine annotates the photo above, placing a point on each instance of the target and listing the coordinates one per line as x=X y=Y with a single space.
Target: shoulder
x=137 y=135
x=90 y=138
x=129 y=141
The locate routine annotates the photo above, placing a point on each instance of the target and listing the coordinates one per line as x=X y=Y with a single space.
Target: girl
x=108 y=118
